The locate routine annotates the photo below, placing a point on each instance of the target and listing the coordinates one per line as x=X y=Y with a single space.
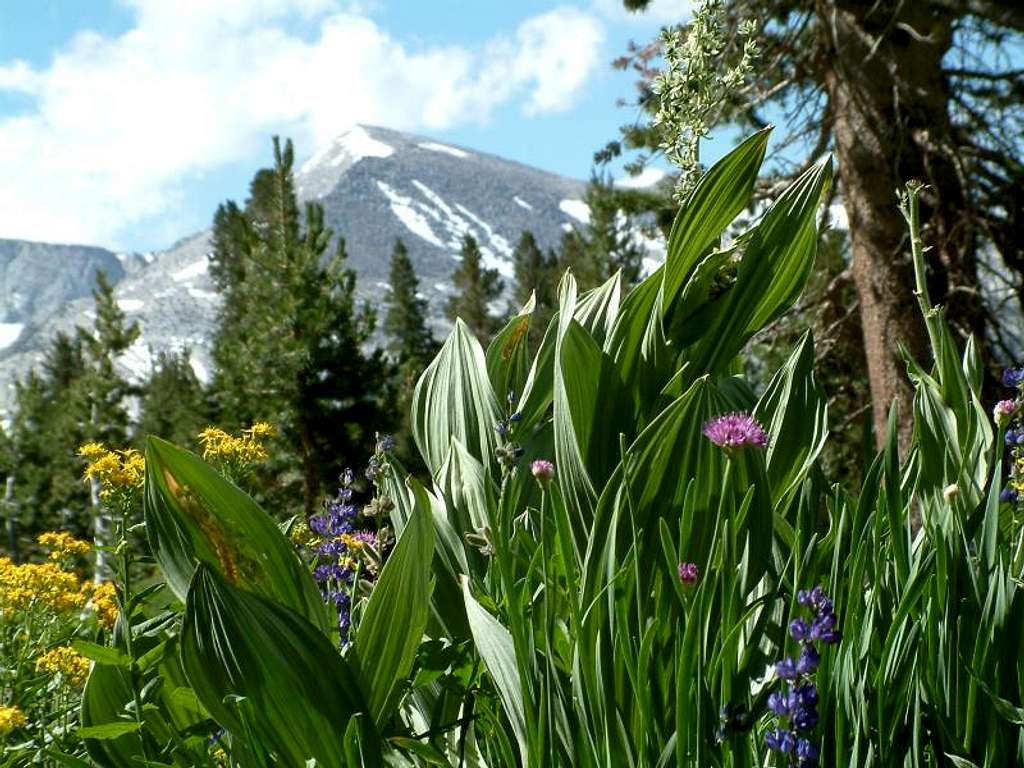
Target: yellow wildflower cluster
x=62 y=545
x=104 y=604
x=10 y=719
x=350 y=541
x=66 y=661
x=239 y=451
x=118 y=471
x=23 y=586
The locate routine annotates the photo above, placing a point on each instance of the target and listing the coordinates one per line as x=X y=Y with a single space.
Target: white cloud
x=658 y=12
x=120 y=124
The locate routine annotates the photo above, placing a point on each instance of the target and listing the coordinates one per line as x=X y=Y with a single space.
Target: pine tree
x=476 y=287
x=405 y=321
x=289 y=342
x=576 y=254
x=173 y=405
x=538 y=276
x=611 y=234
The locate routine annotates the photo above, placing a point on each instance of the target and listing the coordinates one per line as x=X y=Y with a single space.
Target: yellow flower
x=22 y=586
x=104 y=604
x=11 y=718
x=62 y=545
x=118 y=471
x=66 y=661
x=239 y=452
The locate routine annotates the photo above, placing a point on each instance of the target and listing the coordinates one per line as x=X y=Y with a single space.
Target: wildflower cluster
x=104 y=603
x=509 y=452
x=45 y=585
x=796 y=705
x=67 y=663
x=735 y=431
x=543 y=472
x=688 y=573
x=1008 y=414
x=340 y=552
x=11 y=718
x=236 y=455
x=696 y=84
x=62 y=545
x=120 y=473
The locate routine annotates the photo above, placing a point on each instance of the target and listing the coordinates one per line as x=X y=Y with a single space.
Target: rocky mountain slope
x=375 y=184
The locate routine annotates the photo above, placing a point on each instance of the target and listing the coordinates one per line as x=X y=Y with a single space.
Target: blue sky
x=125 y=122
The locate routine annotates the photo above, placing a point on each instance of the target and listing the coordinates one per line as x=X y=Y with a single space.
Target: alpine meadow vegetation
x=592 y=540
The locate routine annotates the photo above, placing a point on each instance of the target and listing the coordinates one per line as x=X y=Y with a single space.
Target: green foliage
x=536 y=614
x=298 y=361
x=476 y=288
x=173 y=403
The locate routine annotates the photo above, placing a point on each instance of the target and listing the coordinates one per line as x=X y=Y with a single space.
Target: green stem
x=126 y=606
x=913 y=216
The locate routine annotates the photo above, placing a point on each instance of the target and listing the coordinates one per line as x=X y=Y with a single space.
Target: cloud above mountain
x=115 y=125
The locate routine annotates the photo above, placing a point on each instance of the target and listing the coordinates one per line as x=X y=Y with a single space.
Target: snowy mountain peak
x=376 y=186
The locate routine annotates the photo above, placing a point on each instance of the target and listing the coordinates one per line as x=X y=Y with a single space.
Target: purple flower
x=779 y=703
x=786 y=669
x=799 y=629
x=806 y=752
x=735 y=430
x=543 y=470
x=688 y=573
x=780 y=741
x=1013 y=377
x=1008 y=495
x=1003 y=412
x=806 y=694
x=804 y=597
x=805 y=718
x=386 y=444
x=808 y=661
x=824 y=629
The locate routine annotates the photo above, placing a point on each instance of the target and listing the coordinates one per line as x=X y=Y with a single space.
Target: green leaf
x=494 y=644
x=778 y=257
x=454 y=398
x=195 y=515
x=392 y=624
x=102 y=654
x=508 y=359
x=259 y=667
x=104 y=700
x=715 y=201
x=794 y=410
x=108 y=731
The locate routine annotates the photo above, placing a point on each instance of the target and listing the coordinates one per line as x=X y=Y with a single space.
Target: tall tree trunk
x=889 y=101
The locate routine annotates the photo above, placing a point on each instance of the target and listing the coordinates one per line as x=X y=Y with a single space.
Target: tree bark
x=889 y=101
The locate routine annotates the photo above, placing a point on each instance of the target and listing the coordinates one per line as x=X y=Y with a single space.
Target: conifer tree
x=476 y=287
x=405 y=321
x=576 y=254
x=173 y=405
x=538 y=276
x=610 y=236
x=289 y=343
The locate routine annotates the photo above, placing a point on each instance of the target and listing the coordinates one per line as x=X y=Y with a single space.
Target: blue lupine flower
x=806 y=751
x=805 y=718
x=808 y=661
x=386 y=444
x=806 y=694
x=799 y=630
x=778 y=703
x=780 y=741
x=1013 y=377
x=1008 y=495
x=1010 y=438
x=786 y=669
x=804 y=597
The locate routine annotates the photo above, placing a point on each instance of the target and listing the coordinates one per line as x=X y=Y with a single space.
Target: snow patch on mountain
x=522 y=203
x=403 y=207
x=350 y=147
x=130 y=305
x=9 y=333
x=433 y=146
x=578 y=209
x=192 y=271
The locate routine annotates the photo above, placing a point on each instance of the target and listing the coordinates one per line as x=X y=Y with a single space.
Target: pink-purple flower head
x=688 y=573
x=1003 y=412
x=543 y=470
x=734 y=431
